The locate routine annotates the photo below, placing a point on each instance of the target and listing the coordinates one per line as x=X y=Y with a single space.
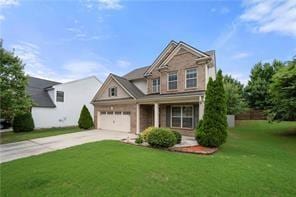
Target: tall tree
x=257 y=91
x=283 y=93
x=13 y=82
x=235 y=102
x=213 y=131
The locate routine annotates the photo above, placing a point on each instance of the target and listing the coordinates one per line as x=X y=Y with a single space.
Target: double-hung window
x=172 y=80
x=60 y=96
x=156 y=85
x=191 y=78
x=182 y=116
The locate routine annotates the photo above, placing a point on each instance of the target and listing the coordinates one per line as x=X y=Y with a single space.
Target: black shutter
x=168 y=116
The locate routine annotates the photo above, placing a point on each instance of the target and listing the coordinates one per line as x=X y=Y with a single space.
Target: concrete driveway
x=38 y=146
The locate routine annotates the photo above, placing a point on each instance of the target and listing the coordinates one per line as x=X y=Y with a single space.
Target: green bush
x=145 y=133
x=85 y=119
x=139 y=140
x=161 y=138
x=178 y=136
x=23 y=123
x=213 y=130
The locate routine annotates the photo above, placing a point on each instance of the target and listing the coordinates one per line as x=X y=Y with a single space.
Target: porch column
x=138 y=119
x=156 y=115
x=201 y=108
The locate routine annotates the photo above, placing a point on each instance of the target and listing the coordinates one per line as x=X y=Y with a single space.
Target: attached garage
x=114 y=120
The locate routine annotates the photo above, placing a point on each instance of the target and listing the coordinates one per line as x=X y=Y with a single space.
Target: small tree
x=213 y=131
x=85 y=119
x=283 y=93
x=13 y=82
x=23 y=122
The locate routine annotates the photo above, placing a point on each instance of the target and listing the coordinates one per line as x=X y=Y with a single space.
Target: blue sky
x=66 y=40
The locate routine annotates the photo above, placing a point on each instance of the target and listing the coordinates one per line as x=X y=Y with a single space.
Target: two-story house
x=168 y=93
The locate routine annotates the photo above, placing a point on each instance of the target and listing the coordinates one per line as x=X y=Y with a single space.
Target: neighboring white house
x=59 y=104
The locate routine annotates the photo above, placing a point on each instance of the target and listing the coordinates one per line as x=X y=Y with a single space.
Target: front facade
x=168 y=93
x=59 y=104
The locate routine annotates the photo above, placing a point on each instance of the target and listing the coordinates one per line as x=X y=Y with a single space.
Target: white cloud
x=8 y=3
x=271 y=16
x=78 y=33
x=221 y=10
x=225 y=36
x=2 y=18
x=103 y=4
x=240 y=55
x=74 y=69
x=239 y=76
x=123 y=63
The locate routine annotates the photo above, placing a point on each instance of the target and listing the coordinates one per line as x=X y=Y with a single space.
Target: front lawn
x=8 y=137
x=258 y=159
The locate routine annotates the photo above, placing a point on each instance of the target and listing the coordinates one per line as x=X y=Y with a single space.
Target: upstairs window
x=60 y=96
x=172 y=80
x=156 y=85
x=112 y=91
x=191 y=78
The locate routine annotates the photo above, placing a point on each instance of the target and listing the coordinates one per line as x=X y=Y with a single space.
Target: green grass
x=8 y=137
x=259 y=159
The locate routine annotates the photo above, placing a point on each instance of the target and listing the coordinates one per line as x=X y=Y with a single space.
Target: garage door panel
x=117 y=121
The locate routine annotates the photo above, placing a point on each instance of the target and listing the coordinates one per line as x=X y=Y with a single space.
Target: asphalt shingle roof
x=129 y=86
x=37 y=90
x=136 y=74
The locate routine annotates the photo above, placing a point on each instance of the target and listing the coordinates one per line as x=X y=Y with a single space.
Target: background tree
x=283 y=92
x=213 y=130
x=235 y=103
x=85 y=119
x=13 y=82
x=257 y=91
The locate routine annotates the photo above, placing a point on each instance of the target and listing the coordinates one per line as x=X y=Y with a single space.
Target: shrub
x=161 y=138
x=178 y=136
x=213 y=130
x=23 y=122
x=145 y=133
x=85 y=119
x=139 y=140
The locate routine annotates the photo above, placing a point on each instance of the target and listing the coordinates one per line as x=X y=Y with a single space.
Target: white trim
x=162 y=54
x=158 y=85
x=177 y=49
x=176 y=72
x=156 y=115
x=181 y=117
x=185 y=77
x=77 y=80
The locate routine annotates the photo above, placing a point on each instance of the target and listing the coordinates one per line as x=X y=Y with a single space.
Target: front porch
x=179 y=115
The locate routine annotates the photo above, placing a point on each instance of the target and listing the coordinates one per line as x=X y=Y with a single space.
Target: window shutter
x=109 y=93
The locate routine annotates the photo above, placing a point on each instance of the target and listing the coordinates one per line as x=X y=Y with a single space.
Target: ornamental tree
x=85 y=119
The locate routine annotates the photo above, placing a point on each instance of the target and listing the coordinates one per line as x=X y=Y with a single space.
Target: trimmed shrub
x=178 y=136
x=212 y=132
x=161 y=138
x=23 y=122
x=139 y=139
x=145 y=133
x=85 y=119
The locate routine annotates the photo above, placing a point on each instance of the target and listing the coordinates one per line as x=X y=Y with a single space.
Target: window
x=191 y=78
x=117 y=113
x=103 y=112
x=110 y=112
x=155 y=85
x=60 y=96
x=126 y=113
x=182 y=116
x=113 y=91
x=172 y=80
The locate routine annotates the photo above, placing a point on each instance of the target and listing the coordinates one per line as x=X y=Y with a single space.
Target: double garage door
x=114 y=121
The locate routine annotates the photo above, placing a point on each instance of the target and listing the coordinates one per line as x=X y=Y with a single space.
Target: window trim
x=57 y=96
x=192 y=116
x=110 y=91
x=190 y=78
x=168 y=82
x=156 y=85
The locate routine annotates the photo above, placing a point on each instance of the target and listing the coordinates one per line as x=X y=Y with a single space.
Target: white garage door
x=115 y=121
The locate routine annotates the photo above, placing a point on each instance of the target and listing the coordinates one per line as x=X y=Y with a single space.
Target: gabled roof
x=130 y=87
x=36 y=89
x=136 y=74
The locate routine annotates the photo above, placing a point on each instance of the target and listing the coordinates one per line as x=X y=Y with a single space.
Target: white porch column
x=201 y=108
x=156 y=115
x=138 y=119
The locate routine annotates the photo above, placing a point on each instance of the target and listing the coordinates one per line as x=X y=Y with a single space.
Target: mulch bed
x=195 y=149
